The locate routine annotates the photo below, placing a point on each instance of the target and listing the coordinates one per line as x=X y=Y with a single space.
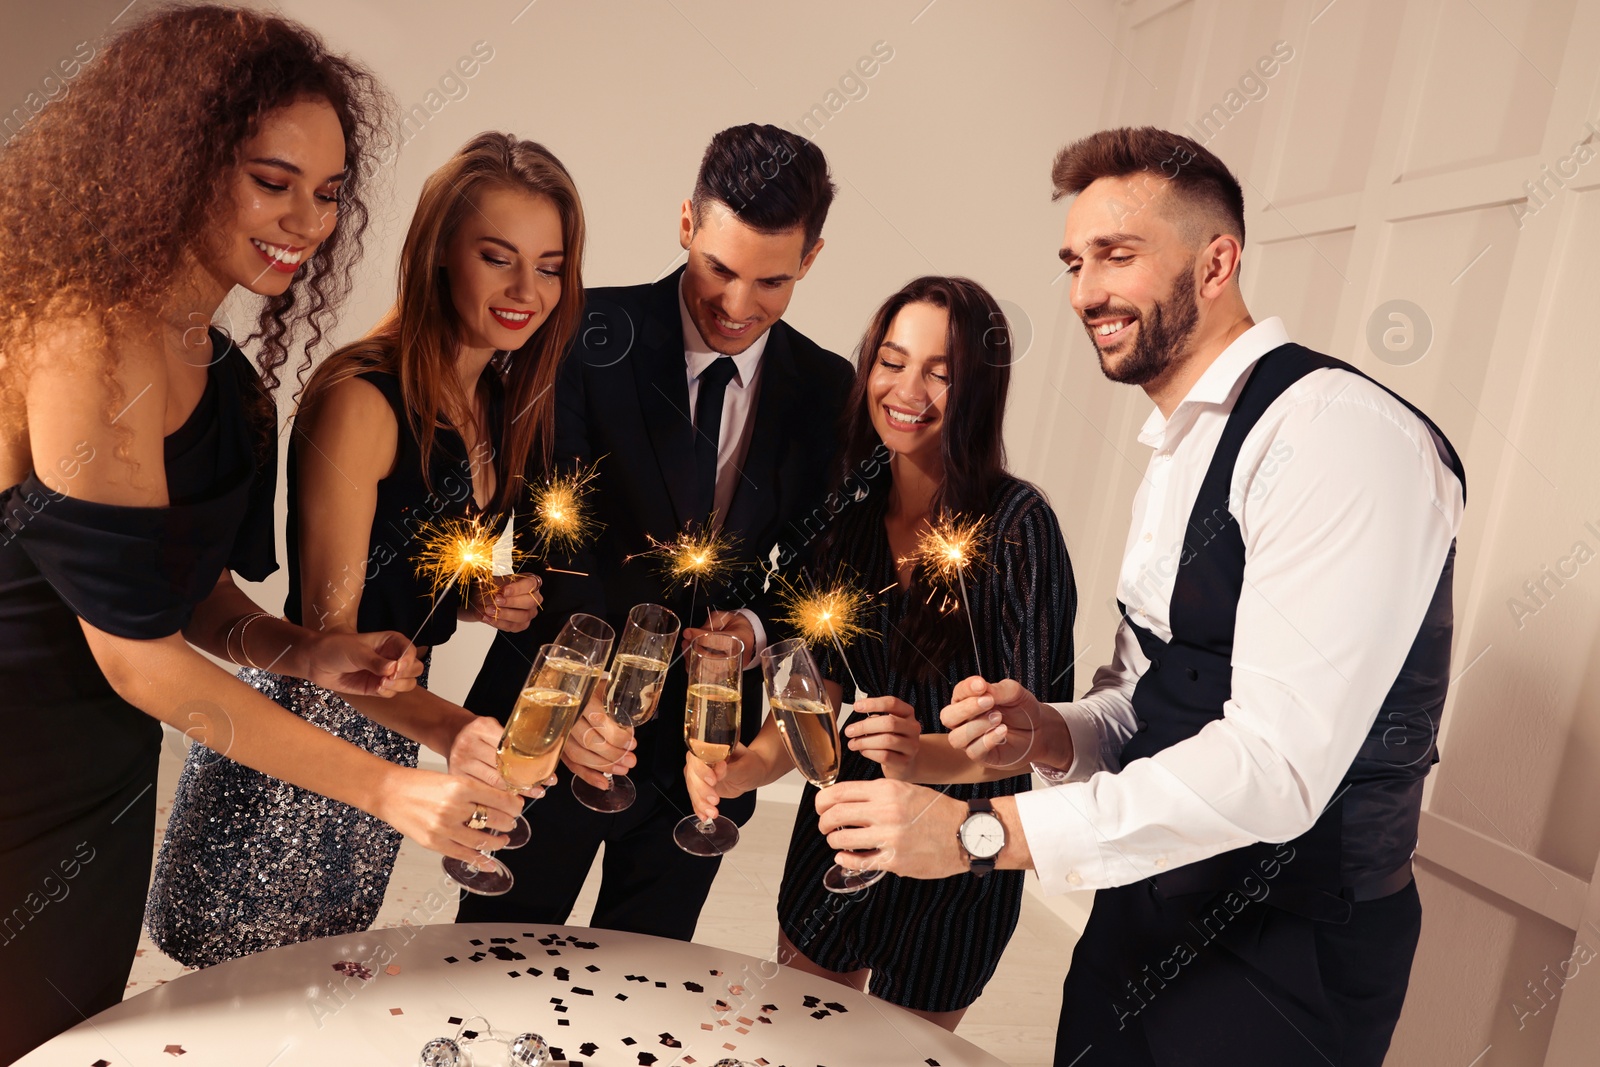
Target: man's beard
x=1163 y=335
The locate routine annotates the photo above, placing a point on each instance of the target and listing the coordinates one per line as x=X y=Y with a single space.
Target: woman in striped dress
x=929 y=399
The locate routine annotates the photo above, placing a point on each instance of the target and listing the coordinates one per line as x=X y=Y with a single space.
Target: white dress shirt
x=1347 y=511
x=738 y=409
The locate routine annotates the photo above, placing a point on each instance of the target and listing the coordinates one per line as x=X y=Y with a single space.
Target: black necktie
x=707 y=429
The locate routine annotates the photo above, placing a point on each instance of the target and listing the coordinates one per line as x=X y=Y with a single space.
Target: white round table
x=603 y=998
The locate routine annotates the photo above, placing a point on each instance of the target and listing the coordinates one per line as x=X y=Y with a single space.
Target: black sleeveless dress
x=250 y=862
x=78 y=770
x=932 y=944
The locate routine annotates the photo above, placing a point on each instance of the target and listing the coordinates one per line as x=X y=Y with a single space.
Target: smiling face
x=910 y=381
x=1133 y=281
x=504 y=265
x=739 y=281
x=285 y=198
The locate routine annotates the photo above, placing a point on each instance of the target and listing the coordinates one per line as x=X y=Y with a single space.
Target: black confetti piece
x=536 y=972
x=931 y=1062
x=563 y=1022
x=470 y=1035
x=101 y=1063
x=588 y=1048
x=557 y=1054
x=646 y=1059
x=552 y=951
x=515 y=974
x=629 y=1041
x=502 y=941
x=586 y=944
x=821 y=1013
x=670 y=1041
x=555 y=1000
x=812 y=1002
x=694 y=987
x=451 y=959
x=474 y=941
x=592 y=969
x=561 y=1007
x=562 y=974
x=454 y=1020
x=769 y=1007
x=622 y=996
x=583 y=992
x=835 y=1006
x=661 y=985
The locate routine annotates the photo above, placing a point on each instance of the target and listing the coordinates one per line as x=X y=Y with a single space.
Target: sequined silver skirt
x=250 y=862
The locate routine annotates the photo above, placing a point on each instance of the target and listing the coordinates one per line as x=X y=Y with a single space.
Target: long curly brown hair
x=105 y=191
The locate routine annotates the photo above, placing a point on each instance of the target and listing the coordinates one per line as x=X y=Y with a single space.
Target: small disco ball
x=529 y=1050
x=440 y=1052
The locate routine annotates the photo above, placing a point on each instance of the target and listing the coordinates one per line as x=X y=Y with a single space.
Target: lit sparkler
x=454 y=551
x=561 y=514
x=829 y=614
x=947 y=549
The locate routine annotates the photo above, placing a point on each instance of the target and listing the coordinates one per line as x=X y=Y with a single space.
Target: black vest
x=1360 y=848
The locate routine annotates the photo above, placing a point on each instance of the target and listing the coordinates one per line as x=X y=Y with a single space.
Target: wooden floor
x=1014 y=1019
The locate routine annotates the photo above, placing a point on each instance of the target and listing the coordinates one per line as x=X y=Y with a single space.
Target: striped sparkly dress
x=933 y=944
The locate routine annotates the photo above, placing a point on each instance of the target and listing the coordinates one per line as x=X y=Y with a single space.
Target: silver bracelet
x=244 y=629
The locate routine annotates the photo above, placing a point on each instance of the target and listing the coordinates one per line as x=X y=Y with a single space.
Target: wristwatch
x=981 y=836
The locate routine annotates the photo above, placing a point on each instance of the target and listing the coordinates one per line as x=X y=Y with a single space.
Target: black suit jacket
x=622 y=403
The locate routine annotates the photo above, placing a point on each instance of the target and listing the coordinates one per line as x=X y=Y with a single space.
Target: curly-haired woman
x=414 y=424
x=139 y=456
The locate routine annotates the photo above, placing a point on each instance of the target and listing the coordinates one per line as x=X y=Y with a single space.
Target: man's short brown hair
x=1197 y=176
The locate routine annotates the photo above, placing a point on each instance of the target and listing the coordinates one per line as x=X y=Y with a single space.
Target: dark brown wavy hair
x=971 y=444
x=106 y=190
x=418 y=339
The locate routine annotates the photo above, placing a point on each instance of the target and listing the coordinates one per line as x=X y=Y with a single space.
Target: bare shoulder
x=94 y=396
x=352 y=425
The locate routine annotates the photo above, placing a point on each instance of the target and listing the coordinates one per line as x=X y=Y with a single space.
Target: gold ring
x=479 y=820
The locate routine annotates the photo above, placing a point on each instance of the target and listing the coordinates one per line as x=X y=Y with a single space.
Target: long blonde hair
x=418 y=338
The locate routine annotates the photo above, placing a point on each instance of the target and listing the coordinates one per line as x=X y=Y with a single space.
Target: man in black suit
x=701 y=406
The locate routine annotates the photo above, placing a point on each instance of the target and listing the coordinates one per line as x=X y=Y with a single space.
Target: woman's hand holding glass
x=475 y=753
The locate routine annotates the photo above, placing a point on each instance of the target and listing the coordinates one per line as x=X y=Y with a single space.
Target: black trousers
x=1223 y=980
x=648 y=885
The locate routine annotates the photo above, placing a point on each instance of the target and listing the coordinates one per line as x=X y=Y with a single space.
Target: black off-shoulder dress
x=78 y=767
x=933 y=944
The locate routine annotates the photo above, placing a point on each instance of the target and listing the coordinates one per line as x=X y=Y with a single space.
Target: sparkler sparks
x=830 y=614
x=454 y=551
x=947 y=550
x=561 y=513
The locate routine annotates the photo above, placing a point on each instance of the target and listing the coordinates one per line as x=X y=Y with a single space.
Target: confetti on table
x=729 y=1045
x=747 y=1022
x=588 y=1048
x=646 y=1059
x=101 y=1063
x=716 y=973
x=661 y=985
x=563 y=1022
x=694 y=987
x=583 y=992
x=474 y=941
x=534 y=971
x=821 y=1013
x=451 y=959
x=736 y=990
x=834 y=1005
x=557 y=1054
x=670 y=1041
x=931 y=1062
x=591 y=968
x=561 y=974
x=454 y=1020
x=396 y=1011
x=622 y=996
x=629 y=1041
x=723 y=1005
x=769 y=1008
x=174 y=1050
x=811 y=1002
x=352 y=969
x=707 y=1026
x=393 y=968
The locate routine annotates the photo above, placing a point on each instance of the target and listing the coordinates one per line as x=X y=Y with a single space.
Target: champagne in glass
x=637 y=675
x=585 y=642
x=711 y=729
x=531 y=745
x=810 y=732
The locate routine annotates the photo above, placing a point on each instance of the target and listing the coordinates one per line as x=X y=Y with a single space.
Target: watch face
x=983 y=835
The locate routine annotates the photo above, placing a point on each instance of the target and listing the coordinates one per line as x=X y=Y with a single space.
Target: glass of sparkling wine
x=810 y=732
x=632 y=692
x=711 y=728
x=531 y=745
x=588 y=640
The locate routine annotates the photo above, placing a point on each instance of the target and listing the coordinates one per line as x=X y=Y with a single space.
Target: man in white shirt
x=1242 y=782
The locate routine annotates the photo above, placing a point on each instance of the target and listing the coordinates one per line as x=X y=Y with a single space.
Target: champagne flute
x=635 y=686
x=588 y=642
x=531 y=745
x=810 y=733
x=711 y=729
